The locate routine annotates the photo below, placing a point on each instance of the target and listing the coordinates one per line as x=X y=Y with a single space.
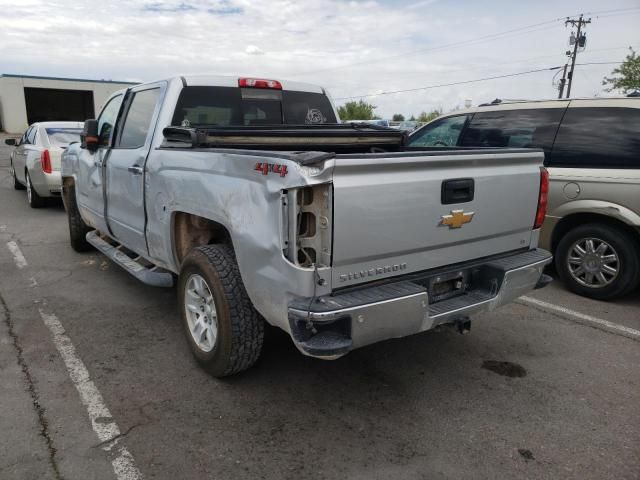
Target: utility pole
x=563 y=80
x=580 y=40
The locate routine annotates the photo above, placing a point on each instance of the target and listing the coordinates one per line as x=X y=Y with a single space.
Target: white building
x=26 y=99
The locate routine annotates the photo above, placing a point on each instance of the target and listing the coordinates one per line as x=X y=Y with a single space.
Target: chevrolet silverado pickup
x=252 y=196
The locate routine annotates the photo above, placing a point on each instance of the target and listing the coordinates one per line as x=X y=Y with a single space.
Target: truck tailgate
x=388 y=210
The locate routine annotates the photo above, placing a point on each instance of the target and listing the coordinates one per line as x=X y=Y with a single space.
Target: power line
x=463 y=82
x=493 y=66
x=485 y=38
x=615 y=10
x=512 y=32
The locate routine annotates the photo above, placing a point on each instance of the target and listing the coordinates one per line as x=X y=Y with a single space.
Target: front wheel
x=223 y=329
x=16 y=184
x=598 y=261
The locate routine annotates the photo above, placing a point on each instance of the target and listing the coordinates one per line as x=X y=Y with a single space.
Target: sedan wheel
x=16 y=184
x=29 y=192
x=35 y=200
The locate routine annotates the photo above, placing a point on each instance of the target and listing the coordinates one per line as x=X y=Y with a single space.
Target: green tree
x=359 y=110
x=413 y=118
x=427 y=117
x=627 y=76
x=398 y=117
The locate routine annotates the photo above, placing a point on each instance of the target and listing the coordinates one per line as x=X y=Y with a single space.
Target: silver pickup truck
x=263 y=207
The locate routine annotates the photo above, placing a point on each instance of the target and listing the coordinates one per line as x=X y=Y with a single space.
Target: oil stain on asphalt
x=507 y=369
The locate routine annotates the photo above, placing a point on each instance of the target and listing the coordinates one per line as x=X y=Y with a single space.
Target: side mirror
x=89 y=137
x=10 y=141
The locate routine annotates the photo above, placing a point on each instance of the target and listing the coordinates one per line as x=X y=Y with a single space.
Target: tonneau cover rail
x=287 y=136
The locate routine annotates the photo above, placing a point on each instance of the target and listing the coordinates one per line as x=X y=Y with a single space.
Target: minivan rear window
x=232 y=106
x=598 y=137
x=521 y=128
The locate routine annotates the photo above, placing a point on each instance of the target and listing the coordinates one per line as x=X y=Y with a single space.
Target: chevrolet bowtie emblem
x=456 y=219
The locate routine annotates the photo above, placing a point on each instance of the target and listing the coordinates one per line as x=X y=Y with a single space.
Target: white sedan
x=35 y=162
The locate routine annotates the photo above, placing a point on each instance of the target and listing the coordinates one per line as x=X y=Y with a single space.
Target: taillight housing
x=307 y=225
x=543 y=198
x=259 y=83
x=45 y=161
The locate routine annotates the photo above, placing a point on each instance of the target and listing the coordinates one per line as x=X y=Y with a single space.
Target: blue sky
x=352 y=47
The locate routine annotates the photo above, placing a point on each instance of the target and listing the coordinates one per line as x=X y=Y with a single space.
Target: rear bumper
x=330 y=326
x=46 y=184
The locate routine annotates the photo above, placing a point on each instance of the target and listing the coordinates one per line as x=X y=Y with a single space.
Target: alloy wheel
x=200 y=310
x=593 y=263
x=29 y=193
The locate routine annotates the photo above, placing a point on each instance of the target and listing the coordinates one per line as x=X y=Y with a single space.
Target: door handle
x=135 y=169
x=457 y=190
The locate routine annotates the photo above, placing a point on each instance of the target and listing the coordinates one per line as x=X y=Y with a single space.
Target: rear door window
x=231 y=106
x=526 y=128
x=440 y=133
x=598 y=137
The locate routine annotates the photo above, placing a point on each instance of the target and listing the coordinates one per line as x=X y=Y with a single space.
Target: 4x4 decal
x=267 y=168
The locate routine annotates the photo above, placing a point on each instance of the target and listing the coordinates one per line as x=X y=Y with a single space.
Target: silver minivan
x=592 y=152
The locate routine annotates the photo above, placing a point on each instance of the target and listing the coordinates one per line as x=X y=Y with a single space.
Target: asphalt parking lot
x=98 y=382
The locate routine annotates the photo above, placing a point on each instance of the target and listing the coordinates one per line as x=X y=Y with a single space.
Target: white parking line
x=21 y=262
x=584 y=318
x=102 y=422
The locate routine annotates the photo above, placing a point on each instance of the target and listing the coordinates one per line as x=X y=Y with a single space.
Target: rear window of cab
x=233 y=106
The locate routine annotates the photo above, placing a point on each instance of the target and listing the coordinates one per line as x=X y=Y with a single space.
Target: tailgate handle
x=457 y=190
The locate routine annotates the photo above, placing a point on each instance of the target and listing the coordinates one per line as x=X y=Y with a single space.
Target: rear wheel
x=223 y=329
x=35 y=200
x=16 y=184
x=598 y=261
x=77 y=228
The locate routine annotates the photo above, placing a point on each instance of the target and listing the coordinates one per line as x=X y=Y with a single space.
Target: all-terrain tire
x=77 y=228
x=240 y=329
x=623 y=244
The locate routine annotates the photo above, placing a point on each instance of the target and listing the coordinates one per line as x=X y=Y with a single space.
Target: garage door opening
x=48 y=104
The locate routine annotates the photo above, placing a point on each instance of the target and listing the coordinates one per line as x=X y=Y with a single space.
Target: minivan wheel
x=598 y=261
x=16 y=184
x=223 y=329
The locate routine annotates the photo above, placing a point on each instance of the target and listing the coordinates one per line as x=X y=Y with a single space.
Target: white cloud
x=351 y=47
x=253 y=50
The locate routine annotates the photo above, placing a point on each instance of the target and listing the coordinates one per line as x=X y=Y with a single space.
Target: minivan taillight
x=543 y=198
x=45 y=161
x=259 y=83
